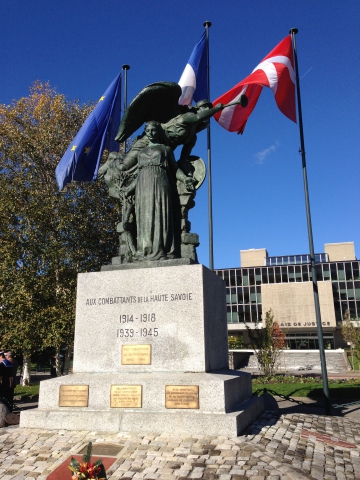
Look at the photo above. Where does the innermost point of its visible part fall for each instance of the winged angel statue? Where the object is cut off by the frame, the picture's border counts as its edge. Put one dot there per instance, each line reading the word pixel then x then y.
pixel 154 190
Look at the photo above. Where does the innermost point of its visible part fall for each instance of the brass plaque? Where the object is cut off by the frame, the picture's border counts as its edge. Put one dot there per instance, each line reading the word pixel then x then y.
pixel 136 355
pixel 74 396
pixel 182 396
pixel 126 396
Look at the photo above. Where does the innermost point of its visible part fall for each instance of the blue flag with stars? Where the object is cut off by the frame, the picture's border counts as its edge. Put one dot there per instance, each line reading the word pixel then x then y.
pixel 81 160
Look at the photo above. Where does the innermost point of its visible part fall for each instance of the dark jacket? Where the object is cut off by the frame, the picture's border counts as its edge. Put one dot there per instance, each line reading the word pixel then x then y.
pixel 7 383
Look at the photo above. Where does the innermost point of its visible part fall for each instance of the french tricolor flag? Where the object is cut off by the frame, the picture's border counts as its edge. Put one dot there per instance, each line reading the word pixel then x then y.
pixel 193 81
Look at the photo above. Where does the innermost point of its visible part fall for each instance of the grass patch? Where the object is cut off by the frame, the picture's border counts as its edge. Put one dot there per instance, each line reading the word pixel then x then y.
pixel 356 360
pixel 309 387
pixel 28 391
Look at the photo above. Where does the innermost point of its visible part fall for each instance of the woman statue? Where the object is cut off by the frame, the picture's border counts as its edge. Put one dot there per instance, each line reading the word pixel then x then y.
pixel 153 197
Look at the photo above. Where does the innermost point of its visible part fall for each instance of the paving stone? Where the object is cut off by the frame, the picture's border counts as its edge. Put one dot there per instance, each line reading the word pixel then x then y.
pixel 278 450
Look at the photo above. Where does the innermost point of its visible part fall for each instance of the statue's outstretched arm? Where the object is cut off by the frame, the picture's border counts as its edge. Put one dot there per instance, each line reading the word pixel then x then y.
pixel 201 116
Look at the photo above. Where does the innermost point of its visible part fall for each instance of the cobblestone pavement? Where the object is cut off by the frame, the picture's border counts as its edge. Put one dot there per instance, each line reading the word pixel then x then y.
pixel 276 446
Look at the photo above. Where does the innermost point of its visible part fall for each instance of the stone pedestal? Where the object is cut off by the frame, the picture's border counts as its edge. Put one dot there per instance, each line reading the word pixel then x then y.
pixel 151 348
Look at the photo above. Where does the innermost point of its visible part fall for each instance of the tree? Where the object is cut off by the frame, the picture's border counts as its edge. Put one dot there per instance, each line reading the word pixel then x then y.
pixel 46 236
pixel 351 333
pixel 267 341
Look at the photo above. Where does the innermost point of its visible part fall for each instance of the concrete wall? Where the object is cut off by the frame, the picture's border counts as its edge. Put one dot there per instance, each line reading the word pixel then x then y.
pixel 306 361
pixel 340 251
pixel 293 304
pixel 254 257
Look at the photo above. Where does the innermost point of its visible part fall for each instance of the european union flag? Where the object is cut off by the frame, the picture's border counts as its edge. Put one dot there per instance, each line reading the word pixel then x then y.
pixel 81 160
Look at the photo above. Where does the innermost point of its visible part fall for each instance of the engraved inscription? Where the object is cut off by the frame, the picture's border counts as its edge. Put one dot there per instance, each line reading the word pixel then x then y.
pixel 142 332
pixel 126 396
pixel 182 396
pixel 161 297
pixel 74 395
pixel 136 355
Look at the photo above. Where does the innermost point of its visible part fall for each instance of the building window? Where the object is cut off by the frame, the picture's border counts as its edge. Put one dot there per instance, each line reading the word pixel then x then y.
pixel 226 277
pixel 333 270
pixel 228 313
pixel 291 274
pixel 252 295
pixel 271 275
pixel 246 295
pixel 318 271
pixel 357 291
pixel 355 267
pixel 326 271
pixel 258 295
pixel 348 272
pixel 341 273
pixel 277 275
pixel 264 275
pixel 305 273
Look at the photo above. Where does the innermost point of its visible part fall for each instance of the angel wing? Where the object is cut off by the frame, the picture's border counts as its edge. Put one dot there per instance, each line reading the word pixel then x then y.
pixel 158 101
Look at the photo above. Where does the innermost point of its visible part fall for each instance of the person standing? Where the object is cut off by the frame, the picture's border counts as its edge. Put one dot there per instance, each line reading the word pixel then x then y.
pixel 7 380
pixel 9 355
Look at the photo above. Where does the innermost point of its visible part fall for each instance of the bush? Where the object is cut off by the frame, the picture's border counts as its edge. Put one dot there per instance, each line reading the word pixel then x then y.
pixel 267 342
pixel 235 342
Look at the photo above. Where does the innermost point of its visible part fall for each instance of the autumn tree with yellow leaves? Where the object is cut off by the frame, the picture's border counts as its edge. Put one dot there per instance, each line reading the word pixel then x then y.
pixel 47 236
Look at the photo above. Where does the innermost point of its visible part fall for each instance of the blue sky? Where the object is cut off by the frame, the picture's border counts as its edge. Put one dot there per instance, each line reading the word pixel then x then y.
pixel 258 199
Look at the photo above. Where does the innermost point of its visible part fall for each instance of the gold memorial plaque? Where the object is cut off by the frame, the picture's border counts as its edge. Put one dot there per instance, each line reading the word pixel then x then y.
pixel 74 395
pixel 182 396
pixel 136 355
pixel 126 396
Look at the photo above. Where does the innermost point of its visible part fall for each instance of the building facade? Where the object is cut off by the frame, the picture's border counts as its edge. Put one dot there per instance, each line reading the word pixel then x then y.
pixel 284 285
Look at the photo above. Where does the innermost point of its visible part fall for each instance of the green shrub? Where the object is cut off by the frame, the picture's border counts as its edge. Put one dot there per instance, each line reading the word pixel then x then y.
pixel 235 342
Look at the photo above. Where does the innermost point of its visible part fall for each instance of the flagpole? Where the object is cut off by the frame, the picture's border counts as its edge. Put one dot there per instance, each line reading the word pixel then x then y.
pixel 327 401
pixel 125 68
pixel 207 25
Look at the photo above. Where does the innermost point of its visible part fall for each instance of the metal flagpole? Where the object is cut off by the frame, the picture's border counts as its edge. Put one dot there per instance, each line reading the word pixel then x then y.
pixel 207 25
pixel 327 401
pixel 125 68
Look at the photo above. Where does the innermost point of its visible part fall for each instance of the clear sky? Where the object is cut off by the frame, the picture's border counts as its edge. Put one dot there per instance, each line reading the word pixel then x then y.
pixel 258 199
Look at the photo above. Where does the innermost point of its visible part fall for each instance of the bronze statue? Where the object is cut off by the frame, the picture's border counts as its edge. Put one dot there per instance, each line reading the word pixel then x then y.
pixel 154 220
pixel 153 197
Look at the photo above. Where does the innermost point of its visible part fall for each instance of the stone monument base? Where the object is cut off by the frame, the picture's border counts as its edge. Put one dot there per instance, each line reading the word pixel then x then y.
pixel 150 354
pixel 225 405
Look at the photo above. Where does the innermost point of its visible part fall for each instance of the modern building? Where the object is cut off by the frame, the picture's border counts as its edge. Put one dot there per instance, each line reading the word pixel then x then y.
pixel 283 284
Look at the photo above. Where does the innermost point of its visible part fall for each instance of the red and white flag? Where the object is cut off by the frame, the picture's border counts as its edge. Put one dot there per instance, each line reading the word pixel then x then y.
pixel 276 71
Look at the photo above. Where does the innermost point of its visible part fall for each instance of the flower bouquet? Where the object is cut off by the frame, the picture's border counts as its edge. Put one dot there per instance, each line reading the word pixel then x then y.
pixel 86 469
